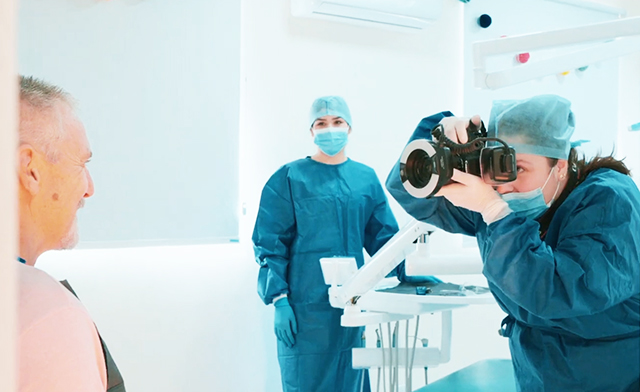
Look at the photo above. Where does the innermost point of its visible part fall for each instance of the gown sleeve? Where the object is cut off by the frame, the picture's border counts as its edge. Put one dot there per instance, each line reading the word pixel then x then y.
pixel 382 226
pixel 273 234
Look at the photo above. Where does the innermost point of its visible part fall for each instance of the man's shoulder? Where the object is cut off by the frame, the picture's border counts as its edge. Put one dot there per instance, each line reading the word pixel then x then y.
pixel 36 281
pixel 50 316
pixel 40 296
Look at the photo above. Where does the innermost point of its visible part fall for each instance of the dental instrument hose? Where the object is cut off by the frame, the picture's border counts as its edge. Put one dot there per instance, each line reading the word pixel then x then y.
pixel 407 383
pixel 415 338
pixel 384 364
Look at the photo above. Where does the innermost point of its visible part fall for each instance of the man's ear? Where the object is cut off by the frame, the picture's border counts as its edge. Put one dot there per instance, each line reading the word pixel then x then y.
pixel 28 173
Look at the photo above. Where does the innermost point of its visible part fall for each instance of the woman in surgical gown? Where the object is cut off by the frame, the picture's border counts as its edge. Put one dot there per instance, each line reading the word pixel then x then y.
pixel 560 247
pixel 320 206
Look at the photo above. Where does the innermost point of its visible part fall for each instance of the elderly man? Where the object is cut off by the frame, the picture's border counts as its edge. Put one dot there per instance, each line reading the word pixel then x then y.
pixel 59 346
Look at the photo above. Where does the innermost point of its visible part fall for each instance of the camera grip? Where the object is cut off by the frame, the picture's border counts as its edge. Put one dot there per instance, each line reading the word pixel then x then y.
pixel 475 131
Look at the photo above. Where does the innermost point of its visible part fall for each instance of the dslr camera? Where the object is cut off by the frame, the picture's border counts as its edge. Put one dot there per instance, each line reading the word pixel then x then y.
pixel 427 165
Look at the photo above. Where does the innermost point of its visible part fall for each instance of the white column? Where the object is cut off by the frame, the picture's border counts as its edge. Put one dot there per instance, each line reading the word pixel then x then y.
pixel 8 192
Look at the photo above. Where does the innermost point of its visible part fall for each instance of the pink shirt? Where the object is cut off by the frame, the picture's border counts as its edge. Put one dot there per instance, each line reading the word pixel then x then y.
pixel 58 346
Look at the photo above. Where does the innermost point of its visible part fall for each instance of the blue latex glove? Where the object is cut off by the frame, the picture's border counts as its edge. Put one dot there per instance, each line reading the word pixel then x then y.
pixel 285 326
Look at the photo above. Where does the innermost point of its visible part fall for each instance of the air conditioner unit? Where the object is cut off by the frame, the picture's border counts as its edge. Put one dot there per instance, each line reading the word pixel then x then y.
pixel 394 14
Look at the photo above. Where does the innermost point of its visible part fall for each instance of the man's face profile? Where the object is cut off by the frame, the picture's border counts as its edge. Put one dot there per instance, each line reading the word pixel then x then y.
pixel 65 182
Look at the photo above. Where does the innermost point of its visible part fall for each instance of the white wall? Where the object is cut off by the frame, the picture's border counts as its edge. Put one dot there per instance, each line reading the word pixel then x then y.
pixel 629 100
pixel 175 318
pixel 390 80
pixel 8 192
pixel 189 318
pixel 158 85
pixel 628 143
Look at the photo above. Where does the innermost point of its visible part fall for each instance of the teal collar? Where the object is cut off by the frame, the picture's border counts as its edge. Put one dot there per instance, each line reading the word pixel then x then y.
pixel 23 261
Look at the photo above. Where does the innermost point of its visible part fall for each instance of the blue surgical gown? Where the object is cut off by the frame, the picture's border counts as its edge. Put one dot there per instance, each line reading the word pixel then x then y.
pixel 310 210
pixel 572 299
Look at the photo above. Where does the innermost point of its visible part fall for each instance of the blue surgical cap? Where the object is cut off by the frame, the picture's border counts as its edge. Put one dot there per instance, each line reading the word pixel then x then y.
pixel 541 125
pixel 329 106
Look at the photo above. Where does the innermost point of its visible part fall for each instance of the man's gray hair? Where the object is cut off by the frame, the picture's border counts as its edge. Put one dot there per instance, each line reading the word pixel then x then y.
pixel 43 97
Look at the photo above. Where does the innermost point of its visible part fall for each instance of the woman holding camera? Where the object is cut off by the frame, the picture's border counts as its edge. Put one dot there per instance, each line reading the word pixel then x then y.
pixel 560 247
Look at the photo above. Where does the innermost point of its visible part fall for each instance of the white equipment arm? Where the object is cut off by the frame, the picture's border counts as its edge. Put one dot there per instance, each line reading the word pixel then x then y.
pixel 617 37
pixel 386 259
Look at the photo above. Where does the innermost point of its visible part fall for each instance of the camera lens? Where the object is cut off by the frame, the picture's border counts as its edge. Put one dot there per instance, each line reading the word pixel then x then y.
pixel 418 168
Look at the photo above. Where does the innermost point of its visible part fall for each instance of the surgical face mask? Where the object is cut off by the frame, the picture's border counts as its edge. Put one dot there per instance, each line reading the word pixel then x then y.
pixel 331 140
pixel 530 204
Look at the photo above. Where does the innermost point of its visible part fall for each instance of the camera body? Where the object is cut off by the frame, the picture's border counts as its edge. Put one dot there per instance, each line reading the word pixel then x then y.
pixel 426 165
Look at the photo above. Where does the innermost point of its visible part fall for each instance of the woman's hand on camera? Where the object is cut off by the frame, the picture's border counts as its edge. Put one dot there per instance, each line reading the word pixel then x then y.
pixel 455 128
pixel 472 193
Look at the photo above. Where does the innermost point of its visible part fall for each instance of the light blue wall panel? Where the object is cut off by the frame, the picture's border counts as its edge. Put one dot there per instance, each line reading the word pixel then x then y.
pixel 158 87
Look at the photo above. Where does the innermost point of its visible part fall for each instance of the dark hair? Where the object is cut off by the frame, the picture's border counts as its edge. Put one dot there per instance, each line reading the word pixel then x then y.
pixel 584 167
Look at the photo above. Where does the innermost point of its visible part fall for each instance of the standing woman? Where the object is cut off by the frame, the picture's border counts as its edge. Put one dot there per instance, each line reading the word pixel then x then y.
pixel 320 206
